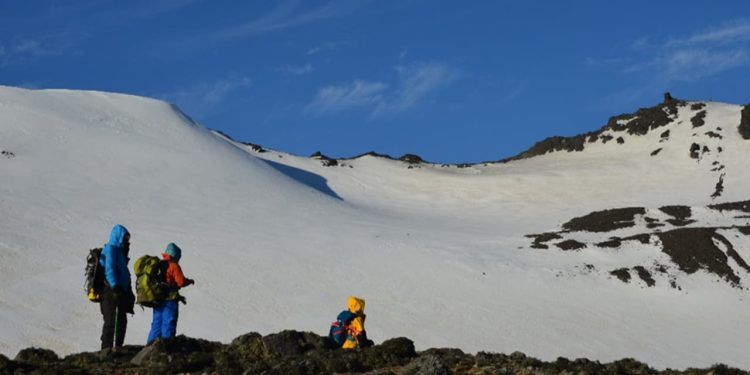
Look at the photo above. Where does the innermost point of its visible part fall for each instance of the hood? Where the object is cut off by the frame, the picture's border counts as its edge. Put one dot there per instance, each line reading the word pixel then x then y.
pixel 173 251
pixel 356 305
pixel 117 236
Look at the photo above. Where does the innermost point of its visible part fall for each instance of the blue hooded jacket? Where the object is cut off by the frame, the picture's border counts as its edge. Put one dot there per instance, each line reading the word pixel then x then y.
pixel 114 260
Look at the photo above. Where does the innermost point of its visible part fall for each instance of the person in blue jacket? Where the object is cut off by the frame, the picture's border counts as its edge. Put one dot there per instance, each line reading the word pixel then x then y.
pixel 117 297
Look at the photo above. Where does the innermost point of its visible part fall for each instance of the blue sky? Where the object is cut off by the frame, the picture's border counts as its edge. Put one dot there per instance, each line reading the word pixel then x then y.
pixel 452 81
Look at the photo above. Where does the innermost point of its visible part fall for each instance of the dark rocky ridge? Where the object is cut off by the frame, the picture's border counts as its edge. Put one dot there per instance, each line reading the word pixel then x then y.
pixel 292 352
pixel 641 122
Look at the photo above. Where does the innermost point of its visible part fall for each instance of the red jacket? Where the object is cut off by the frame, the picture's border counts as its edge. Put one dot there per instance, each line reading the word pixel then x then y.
pixel 175 277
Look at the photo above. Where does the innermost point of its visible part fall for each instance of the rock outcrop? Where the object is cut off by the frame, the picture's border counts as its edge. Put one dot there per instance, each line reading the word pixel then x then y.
pixel 292 352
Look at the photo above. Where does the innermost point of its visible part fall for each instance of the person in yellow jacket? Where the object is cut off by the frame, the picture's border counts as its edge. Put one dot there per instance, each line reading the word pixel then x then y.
pixel 356 335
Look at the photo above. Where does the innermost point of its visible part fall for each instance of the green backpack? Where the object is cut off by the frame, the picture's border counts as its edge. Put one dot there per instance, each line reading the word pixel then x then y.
pixel 151 288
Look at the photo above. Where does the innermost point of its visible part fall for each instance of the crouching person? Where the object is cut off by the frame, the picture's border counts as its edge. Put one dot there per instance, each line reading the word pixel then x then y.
pixel 164 321
pixel 348 331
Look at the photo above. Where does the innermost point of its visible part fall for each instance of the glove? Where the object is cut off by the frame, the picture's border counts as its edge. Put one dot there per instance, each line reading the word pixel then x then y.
pixel 129 304
pixel 182 299
pixel 189 282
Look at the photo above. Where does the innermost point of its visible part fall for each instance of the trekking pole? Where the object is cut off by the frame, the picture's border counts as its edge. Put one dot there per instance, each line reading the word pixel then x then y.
pixel 117 314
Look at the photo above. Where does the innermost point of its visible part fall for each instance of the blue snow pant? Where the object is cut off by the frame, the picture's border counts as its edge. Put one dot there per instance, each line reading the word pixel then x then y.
pixel 164 322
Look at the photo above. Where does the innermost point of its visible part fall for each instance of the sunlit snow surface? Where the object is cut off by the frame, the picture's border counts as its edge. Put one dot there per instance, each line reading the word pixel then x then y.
pixel 275 241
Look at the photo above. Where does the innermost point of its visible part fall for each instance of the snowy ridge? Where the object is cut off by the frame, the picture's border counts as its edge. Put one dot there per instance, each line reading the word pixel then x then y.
pixel 440 253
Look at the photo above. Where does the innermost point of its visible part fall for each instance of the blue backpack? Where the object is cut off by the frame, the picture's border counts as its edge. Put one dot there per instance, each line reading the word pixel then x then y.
pixel 339 331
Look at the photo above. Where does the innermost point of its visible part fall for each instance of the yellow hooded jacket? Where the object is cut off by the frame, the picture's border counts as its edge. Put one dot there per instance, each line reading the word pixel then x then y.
pixel 357 325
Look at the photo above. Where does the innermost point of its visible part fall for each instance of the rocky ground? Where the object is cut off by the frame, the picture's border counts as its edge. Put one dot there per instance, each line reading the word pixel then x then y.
pixel 292 352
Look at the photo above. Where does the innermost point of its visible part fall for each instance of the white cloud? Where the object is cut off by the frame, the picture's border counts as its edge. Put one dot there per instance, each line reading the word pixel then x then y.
pixel 328 46
pixel 201 98
pixel 416 81
pixel 286 16
pixel 21 51
pixel 413 84
pixel 699 55
pixel 296 70
pixel 729 32
pixel 337 98
pixel 35 48
pixel 693 64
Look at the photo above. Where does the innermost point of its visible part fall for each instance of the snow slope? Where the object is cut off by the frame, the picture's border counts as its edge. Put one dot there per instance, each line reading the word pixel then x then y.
pixel 438 252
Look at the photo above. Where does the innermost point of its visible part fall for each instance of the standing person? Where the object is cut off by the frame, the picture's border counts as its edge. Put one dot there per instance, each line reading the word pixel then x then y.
pixel 117 296
pixel 164 321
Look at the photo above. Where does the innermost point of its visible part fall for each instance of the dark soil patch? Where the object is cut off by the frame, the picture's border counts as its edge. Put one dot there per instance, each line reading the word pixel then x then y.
pixel 411 159
pixel 621 273
pixel 645 275
pixel 665 134
pixel 540 239
pixel 255 147
pixel 699 119
pixel 680 223
pixel 325 160
pixel 605 221
pixel 733 253
pixel 693 249
pixel 620 140
pixel 553 144
pixel 695 151
pixel 714 135
pixel 743 206
pixel 644 238
pixel 654 225
pixel 678 212
pixel 606 138
pixel 744 127
pixel 719 187
pixel 611 243
pixel 655 152
pixel 7 154
pixel 697 106
pixel 568 245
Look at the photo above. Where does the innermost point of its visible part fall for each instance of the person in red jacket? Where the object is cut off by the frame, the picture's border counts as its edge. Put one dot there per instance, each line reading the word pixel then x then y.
pixel 164 322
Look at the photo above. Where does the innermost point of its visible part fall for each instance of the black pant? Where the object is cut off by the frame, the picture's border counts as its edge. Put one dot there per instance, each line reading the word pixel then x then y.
pixel 115 319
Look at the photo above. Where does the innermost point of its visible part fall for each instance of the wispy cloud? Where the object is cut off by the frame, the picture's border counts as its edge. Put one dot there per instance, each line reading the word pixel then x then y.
pixel 296 70
pixel 727 33
pixel 337 98
pixel 328 46
pixel 699 55
pixel 24 50
pixel 287 15
pixel 150 9
pixel 414 82
pixel 202 98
